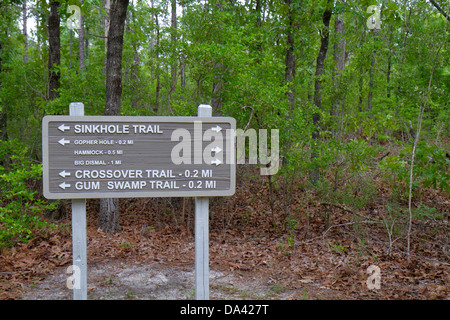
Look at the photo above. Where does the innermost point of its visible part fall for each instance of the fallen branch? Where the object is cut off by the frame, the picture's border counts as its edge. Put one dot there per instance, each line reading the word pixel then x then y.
pixel 347 223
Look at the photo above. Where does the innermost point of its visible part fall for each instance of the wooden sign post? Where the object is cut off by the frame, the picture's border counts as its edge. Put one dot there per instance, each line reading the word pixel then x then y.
pixel 79 249
pixel 202 234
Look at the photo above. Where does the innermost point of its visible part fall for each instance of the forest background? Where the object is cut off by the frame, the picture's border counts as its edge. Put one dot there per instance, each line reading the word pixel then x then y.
pixel 360 97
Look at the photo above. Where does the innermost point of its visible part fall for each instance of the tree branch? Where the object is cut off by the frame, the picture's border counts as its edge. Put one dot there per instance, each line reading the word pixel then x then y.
pixel 95 35
pixel 436 5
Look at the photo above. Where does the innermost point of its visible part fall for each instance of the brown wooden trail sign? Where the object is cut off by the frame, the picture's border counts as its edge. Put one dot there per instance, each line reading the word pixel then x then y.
pixel 123 157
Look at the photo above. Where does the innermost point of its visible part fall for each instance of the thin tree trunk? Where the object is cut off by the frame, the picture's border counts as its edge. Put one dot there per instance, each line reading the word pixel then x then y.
pixel 3 126
pixel 70 48
pixel 182 71
pixel 339 59
pixel 3 115
pixel 217 89
pixel 370 95
pixel 174 39
pixel 216 98
pixel 402 55
pixel 258 24
pixel 25 31
pixel 158 68
pixel 54 57
pixel 5 162
pixel 371 72
pixel 389 67
pixel 107 23
pixel 81 41
pixel 182 58
pixel 290 57
pixel 109 208
pixel 86 44
pixel 324 41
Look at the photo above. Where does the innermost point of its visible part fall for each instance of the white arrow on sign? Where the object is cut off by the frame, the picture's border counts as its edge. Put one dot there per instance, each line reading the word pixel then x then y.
pixel 64 185
pixel 64 174
pixel 216 129
pixel 216 149
pixel 63 141
pixel 63 127
pixel 216 162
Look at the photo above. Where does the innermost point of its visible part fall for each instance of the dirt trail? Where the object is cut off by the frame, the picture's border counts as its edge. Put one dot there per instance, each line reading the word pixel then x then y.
pixel 114 280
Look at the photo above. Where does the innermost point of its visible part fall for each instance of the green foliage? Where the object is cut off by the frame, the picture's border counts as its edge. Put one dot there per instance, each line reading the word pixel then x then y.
pixel 431 166
pixel 20 207
pixel 431 169
pixel 182 108
pixel 346 176
pixel 393 169
pixel 425 212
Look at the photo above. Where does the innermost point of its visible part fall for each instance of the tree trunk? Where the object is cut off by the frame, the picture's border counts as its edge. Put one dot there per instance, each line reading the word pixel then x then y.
pixel 258 24
pixel 339 46
pixel 339 59
pixel 81 41
pixel 361 73
pixel 405 29
pixel 3 126
pixel 25 31
pixel 371 72
pixel 70 48
pixel 389 63
pixel 216 98
pixel 86 44
pixel 217 89
pixel 182 57
pixel 174 65
pixel 3 114
pixel 369 98
pixel 158 68
pixel 182 71
pixel 106 23
pixel 5 162
pixel 290 57
pixel 109 208
pixel 109 215
pixel 324 40
pixel 134 69
pixel 54 57
pixel 114 57
pixel 258 10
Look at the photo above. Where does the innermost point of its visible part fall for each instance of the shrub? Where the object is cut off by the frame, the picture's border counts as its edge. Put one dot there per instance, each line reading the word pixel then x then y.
pixel 21 207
